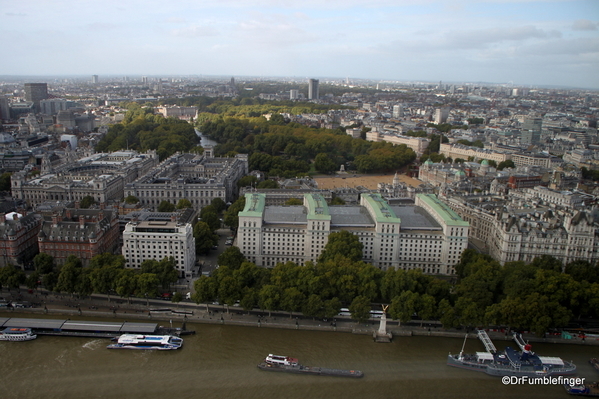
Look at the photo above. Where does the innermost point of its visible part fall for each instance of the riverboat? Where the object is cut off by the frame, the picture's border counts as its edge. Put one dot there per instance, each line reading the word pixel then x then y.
pixel 17 334
pixel 152 342
pixel 291 365
pixel 510 362
pixel 591 389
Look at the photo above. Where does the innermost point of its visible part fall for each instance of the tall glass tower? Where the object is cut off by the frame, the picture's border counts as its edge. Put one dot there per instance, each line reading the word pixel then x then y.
pixel 313 89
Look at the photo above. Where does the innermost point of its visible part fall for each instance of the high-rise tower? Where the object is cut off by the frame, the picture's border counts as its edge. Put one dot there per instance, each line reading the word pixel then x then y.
pixel 313 89
pixel 36 92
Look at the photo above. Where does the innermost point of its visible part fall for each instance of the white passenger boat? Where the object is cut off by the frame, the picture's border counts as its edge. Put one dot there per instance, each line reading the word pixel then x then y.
pixel 154 342
pixel 17 334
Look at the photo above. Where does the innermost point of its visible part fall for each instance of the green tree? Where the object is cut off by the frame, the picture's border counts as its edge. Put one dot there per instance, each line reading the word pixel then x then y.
pixel 506 164
pixel 218 204
pixel 249 298
pixel 67 279
pixel 292 300
pixel 5 182
pixel 324 164
pixel 147 285
pixel 49 280
pixel 165 270
pixel 404 306
pixel 131 199
pixel 32 280
pixel 205 239
pixel 269 298
pixel 86 202
pixel 205 290
pixel 231 257
pixel 268 183
pixel 342 243
pixel 360 309
pixel 126 284
pixel 313 307
pixel 247 181
pixel 294 201
pixel 43 263
pixel 166 206
pixel 11 277
pixel 337 201
pixel 332 307
pixel 230 218
pixel 211 219
pixel 184 203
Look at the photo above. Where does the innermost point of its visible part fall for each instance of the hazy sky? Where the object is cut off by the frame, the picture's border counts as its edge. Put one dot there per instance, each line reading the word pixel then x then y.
pixel 521 41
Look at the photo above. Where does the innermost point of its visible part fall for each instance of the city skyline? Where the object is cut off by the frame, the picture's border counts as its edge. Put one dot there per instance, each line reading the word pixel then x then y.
pixel 524 42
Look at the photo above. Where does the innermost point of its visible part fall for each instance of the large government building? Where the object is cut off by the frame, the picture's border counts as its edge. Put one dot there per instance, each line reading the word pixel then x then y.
pixel 101 176
pixel 198 178
pixel 427 236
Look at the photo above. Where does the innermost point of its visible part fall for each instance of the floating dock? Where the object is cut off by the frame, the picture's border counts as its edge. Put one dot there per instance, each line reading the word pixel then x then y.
pixel 95 329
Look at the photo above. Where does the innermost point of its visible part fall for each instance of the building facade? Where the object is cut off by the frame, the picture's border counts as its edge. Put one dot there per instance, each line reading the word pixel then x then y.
pixel 159 239
pixel 84 233
pixel 100 176
pixel 198 178
pixel 427 236
pixel 36 92
pixel 464 152
pixel 313 89
pixel 18 238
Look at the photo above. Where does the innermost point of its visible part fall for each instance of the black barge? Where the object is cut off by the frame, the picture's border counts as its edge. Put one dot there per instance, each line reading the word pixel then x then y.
pixel 290 365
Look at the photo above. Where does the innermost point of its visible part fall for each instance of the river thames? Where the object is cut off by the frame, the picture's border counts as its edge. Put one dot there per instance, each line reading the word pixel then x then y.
pixel 219 361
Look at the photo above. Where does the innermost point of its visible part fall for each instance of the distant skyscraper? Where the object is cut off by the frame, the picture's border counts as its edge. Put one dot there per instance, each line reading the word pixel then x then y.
pixel 144 80
pixel 313 89
pixel 398 111
pixel 36 92
pixel 95 79
pixel 441 115
pixel 4 108
pixel 531 130
pixel 293 94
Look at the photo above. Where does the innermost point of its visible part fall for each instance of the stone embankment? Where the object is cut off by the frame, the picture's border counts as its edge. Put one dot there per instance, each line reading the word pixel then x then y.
pixel 98 306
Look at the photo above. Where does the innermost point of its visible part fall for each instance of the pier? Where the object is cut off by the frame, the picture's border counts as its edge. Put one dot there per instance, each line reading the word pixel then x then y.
pixel 97 329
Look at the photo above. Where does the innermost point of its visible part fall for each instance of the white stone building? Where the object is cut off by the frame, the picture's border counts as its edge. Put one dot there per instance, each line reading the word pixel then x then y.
pixel 158 240
pixel 428 235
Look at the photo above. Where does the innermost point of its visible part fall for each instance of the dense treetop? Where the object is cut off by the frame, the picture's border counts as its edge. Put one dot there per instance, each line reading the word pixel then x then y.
pixel 141 130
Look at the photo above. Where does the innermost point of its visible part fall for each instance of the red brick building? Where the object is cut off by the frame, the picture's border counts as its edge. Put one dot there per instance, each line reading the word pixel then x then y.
pixel 84 233
pixel 18 238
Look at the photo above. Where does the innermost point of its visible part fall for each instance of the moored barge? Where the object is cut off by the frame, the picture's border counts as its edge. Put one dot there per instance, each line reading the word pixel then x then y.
pixel 291 365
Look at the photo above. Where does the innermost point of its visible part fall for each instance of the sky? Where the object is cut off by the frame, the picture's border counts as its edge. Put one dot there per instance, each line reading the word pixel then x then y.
pixel 524 42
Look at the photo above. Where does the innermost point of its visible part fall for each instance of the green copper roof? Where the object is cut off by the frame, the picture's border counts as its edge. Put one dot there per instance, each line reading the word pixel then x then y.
pixel 254 205
pixel 382 212
pixel 317 207
pixel 445 212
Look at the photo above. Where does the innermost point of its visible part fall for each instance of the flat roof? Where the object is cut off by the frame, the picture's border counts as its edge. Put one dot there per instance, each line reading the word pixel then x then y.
pixel 75 325
pixel 139 327
pixel 445 212
pixel 295 214
pixel 350 216
pixel 34 323
pixel 415 217
pixel 92 326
